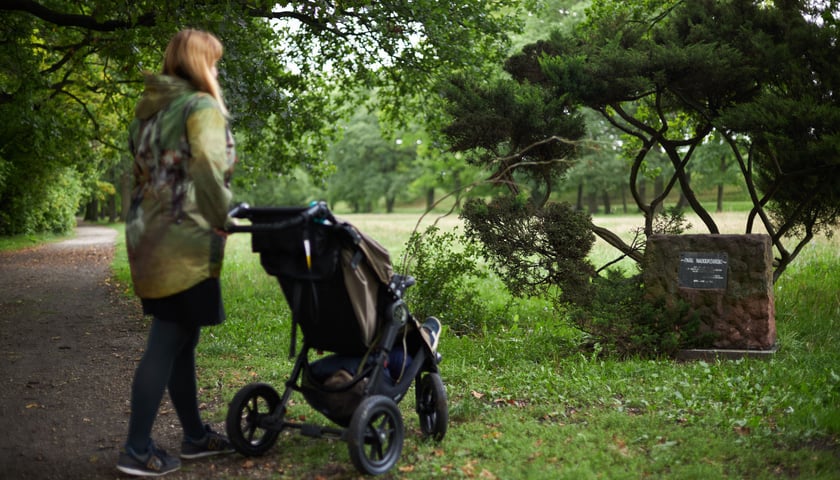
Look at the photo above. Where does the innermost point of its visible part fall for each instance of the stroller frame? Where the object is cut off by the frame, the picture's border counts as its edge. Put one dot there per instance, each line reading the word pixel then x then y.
pixel 310 252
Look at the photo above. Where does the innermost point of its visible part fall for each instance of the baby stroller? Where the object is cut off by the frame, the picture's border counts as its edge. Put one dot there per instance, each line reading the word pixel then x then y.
pixel 343 295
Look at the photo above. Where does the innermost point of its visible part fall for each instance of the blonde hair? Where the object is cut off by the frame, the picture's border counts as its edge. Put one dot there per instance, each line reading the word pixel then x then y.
pixel 191 55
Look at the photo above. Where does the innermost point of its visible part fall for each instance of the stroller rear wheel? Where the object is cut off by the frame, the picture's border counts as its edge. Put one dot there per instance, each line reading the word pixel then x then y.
pixel 245 419
pixel 376 434
pixel 431 406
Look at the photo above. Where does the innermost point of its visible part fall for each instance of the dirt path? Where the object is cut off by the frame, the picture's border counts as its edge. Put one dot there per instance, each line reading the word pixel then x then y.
pixel 68 347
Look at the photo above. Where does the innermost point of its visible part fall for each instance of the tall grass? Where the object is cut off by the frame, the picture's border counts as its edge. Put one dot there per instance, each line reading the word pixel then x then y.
pixel 525 402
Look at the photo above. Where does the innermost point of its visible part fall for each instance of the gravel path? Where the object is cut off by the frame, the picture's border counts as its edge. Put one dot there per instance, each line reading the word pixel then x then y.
pixel 69 343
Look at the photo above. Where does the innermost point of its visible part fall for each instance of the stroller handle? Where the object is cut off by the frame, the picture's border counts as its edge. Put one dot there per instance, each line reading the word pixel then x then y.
pixel 294 216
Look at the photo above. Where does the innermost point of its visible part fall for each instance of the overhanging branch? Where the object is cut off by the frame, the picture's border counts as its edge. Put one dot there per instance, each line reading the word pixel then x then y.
pixel 73 20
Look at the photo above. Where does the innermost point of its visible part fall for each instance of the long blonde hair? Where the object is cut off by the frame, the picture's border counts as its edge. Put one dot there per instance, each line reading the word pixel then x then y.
pixel 191 55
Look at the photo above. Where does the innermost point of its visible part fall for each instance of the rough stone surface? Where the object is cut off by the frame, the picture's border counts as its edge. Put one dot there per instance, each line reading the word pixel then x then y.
pixel 739 316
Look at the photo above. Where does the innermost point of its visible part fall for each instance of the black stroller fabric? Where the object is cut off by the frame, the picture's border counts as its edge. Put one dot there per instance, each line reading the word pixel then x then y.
pixel 332 275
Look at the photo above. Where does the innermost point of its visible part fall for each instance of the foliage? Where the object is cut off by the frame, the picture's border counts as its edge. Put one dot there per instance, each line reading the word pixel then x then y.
pixel 47 202
pixel 447 279
pixel 669 74
pixel 544 252
pixel 369 165
pixel 272 189
pixel 70 73
pixel 512 130
pixel 621 322
pixel 534 250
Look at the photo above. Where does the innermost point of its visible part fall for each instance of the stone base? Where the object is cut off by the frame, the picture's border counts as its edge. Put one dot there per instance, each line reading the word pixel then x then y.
pixel 732 303
pixel 712 354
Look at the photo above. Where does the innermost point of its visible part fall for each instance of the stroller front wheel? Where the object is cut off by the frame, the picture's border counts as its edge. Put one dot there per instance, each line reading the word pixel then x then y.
pixel 247 415
pixel 375 435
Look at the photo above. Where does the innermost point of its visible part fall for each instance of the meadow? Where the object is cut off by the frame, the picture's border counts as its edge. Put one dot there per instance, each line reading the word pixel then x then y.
pixel 526 402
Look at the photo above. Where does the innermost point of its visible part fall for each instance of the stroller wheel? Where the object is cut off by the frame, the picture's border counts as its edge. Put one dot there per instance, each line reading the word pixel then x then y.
pixel 431 406
pixel 246 416
pixel 375 435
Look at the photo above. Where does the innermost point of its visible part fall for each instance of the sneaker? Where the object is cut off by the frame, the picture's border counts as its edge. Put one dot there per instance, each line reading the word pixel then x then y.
pixel 154 463
pixel 211 444
pixel 431 332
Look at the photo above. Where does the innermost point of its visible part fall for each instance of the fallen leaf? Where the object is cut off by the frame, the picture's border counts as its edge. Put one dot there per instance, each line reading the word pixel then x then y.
pixel 621 446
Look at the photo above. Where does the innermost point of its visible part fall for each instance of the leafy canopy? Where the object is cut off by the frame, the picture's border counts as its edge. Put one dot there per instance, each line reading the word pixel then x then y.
pixel 70 72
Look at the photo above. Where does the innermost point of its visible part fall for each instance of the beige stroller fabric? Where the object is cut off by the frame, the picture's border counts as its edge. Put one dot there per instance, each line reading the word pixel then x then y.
pixel 363 281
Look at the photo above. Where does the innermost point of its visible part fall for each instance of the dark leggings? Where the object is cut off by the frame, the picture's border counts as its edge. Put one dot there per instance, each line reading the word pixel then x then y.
pixel 169 361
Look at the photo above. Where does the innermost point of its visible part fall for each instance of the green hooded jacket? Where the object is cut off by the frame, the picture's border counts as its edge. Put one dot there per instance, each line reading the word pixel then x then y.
pixel 183 158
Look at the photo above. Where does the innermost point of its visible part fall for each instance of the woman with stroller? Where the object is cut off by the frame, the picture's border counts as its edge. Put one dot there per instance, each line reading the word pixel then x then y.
pixel 183 158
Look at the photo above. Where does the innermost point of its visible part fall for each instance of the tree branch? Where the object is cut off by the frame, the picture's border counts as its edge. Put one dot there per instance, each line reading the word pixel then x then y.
pixel 72 20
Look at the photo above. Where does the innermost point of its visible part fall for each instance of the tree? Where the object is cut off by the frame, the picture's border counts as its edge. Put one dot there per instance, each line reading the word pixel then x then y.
pixel 369 166
pixel 593 173
pixel 71 72
pixel 518 132
pixel 669 73
pixel 716 166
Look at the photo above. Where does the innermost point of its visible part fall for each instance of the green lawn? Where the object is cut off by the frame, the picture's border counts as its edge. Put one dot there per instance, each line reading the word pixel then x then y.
pixel 525 402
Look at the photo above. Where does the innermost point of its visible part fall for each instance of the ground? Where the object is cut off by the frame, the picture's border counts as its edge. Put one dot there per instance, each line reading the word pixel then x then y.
pixel 69 343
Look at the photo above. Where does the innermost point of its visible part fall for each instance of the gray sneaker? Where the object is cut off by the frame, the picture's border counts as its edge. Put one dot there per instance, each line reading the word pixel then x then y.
pixel 212 444
pixel 154 463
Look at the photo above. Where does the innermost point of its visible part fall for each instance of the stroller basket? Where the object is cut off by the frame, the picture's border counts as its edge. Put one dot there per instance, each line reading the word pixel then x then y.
pixel 347 301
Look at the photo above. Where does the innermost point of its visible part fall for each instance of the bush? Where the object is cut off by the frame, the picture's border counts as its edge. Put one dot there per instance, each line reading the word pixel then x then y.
pixel 446 278
pixel 543 252
pixel 621 321
pixel 534 250
pixel 38 201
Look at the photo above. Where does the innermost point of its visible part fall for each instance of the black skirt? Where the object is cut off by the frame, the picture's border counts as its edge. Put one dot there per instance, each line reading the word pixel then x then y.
pixel 200 305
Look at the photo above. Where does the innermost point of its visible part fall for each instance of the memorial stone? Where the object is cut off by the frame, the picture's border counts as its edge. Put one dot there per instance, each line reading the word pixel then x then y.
pixel 726 281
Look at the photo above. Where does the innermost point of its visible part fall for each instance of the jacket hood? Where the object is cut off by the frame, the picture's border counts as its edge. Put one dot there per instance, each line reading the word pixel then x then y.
pixel 160 91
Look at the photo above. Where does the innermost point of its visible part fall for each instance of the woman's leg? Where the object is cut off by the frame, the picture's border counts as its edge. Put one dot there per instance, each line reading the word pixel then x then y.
pixel 183 390
pixel 166 342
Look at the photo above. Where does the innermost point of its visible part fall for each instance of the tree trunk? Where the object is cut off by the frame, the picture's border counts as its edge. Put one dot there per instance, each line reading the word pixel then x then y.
pixel 643 191
pixel 112 209
pixel 592 202
pixel 658 188
pixel 607 205
pixel 579 203
pixel 683 201
pixel 430 198
pixel 624 200
pixel 92 211
pixel 720 185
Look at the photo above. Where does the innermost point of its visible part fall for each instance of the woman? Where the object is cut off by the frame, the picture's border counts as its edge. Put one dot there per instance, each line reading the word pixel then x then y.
pixel 183 157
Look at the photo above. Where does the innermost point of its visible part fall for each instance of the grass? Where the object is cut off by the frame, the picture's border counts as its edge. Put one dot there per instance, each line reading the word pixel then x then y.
pixel 18 242
pixel 526 403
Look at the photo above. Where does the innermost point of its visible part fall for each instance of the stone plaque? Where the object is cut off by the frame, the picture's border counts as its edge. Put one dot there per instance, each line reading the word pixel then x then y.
pixel 703 270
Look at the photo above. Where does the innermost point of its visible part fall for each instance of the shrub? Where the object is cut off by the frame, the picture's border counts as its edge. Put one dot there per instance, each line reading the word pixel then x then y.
pixel 534 250
pixel 621 321
pixel 543 252
pixel 46 201
pixel 445 280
